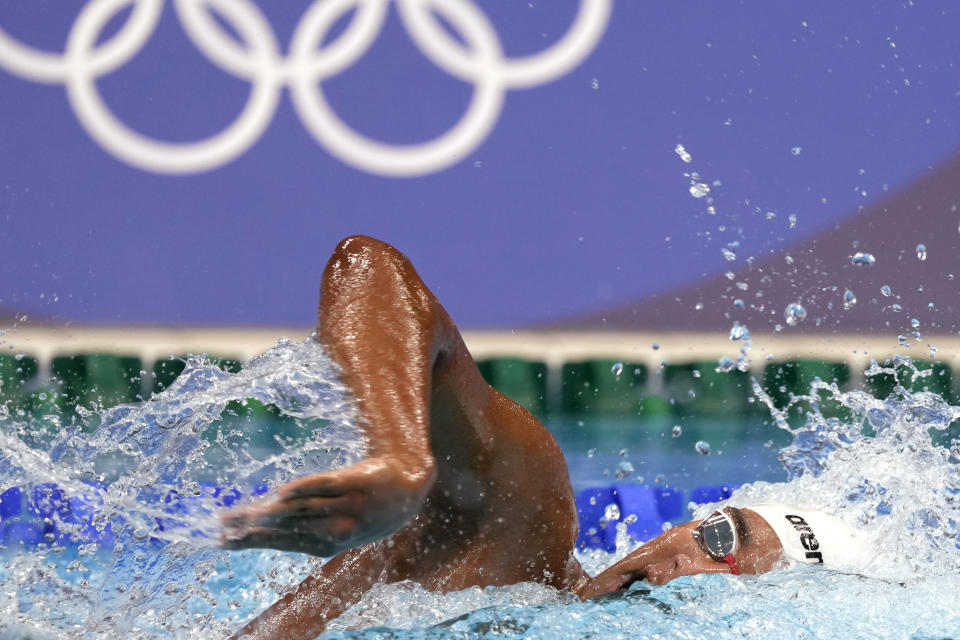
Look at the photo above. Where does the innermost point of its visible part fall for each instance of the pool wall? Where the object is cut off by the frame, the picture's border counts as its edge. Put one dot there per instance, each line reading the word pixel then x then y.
pixel 624 373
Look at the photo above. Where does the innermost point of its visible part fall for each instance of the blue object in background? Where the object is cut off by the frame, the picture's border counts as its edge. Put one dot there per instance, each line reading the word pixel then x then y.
pixel 11 503
pixel 712 493
pixel 46 514
pixel 651 508
pixel 591 506
pixel 15 524
pixel 642 502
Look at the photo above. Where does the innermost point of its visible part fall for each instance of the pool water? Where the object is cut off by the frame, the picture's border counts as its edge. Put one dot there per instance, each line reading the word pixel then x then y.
pixel 127 547
pixel 606 449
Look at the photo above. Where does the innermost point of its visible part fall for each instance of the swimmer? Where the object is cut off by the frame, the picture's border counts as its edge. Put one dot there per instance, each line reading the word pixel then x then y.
pixel 462 486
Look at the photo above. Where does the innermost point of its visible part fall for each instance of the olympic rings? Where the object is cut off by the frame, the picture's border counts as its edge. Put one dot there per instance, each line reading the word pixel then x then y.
pixel 258 60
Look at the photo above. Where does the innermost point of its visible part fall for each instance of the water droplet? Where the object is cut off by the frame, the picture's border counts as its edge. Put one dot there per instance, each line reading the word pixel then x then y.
pixel 739 332
pixel 698 306
pixel 792 218
pixel 860 258
pixel 702 447
pixel 594 84
pixel 849 299
pixel 630 519
pixel 914 323
pixel 921 252
pixel 591 453
pixel 699 189
pixel 896 307
pixel 624 469
pixel 611 512
pixel 677 431
pixel 930 306
pixel 617 368
pixel 794 313
pixel 738 303
pixel 729 255
pixel 683 153
pixel 655 346
pixel 885 290
pixel 796 150
pixel 788 259
pixel 771 215
pixel 725 364
pixel 696 373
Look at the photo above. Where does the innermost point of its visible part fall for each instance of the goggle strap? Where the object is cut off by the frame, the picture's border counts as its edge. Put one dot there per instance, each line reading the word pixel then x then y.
pixel 733 564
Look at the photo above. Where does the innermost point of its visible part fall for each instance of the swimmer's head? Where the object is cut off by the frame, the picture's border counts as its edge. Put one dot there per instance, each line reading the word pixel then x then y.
pixel 745 541
pixel 694 548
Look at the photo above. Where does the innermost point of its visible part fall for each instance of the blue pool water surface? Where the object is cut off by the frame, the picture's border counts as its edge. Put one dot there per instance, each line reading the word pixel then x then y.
pixel 135 554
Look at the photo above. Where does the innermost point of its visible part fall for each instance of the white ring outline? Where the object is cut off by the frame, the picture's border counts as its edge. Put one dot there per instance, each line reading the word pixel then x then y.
pixel 150 154
pixel 258 60
pixel 43 66
pixel 402 160
pixel 347 49
pixel 539 68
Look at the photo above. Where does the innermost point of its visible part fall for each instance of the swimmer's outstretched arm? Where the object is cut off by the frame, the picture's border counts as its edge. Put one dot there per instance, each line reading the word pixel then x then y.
pixel 385 330
pixel 447 458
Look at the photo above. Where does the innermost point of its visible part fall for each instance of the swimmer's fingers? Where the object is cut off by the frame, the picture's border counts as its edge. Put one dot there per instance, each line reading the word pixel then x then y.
pixel 322 537
pixel 332 511
pixel 288 512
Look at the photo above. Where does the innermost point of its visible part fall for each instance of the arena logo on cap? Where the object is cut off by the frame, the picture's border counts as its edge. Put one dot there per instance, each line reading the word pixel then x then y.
pixel 808 540
pixel 479 60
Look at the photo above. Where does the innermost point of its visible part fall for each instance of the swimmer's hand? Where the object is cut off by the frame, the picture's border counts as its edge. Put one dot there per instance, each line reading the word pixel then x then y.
pixel 330 512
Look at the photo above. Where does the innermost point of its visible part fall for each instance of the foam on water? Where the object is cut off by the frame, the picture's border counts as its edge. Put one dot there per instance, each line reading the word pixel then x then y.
pixel 142 562
pixel 136 493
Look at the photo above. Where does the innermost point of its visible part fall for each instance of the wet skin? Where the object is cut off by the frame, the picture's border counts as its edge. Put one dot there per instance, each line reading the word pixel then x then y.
pixel 676 553
pixel 462 486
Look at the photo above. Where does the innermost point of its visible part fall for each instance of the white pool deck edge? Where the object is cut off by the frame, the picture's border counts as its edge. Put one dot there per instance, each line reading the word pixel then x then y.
pixel 551 347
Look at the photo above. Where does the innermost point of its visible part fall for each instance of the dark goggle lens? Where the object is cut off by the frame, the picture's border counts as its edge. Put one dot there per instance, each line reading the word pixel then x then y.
pixel 716 536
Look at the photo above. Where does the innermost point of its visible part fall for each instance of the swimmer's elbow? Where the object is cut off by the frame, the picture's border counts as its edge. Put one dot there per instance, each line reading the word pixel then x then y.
pixel 415 473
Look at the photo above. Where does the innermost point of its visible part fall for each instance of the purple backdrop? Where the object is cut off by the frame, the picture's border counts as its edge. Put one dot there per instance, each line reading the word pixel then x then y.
pixel 576 199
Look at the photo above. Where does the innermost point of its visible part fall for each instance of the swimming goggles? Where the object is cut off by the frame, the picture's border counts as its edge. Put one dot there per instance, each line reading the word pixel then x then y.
pixel 717 536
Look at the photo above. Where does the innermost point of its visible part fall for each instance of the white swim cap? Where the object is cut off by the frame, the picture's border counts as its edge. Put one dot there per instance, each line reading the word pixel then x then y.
pixel 814 537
